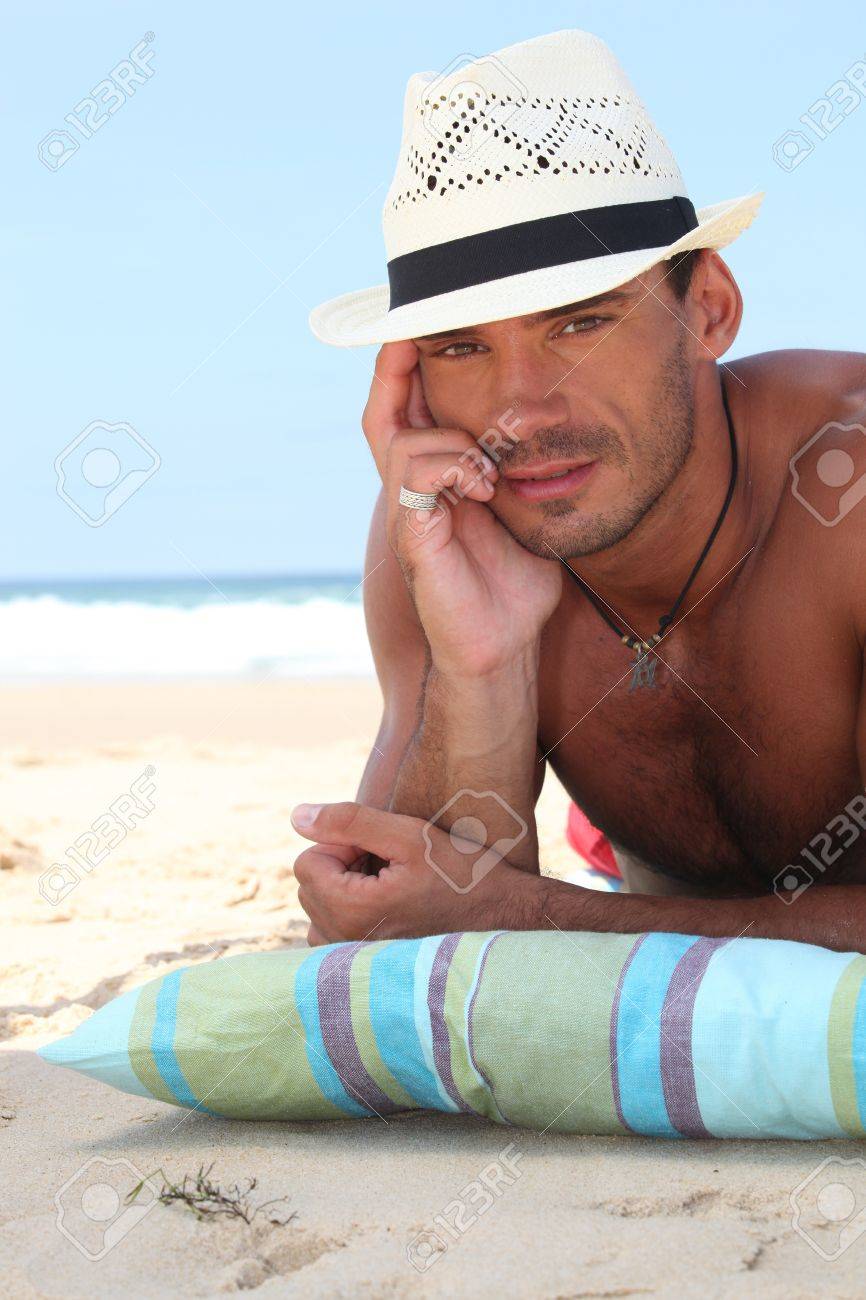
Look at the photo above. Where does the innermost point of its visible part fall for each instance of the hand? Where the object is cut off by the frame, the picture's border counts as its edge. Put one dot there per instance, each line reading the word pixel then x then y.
pixel 433 883
pixel 482 598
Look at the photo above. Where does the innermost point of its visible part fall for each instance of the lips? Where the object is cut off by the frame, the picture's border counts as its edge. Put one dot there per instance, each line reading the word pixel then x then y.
pixel 547 482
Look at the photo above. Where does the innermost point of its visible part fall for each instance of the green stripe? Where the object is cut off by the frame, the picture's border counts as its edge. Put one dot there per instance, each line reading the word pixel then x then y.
pixel 458 990
pixel 540 994
pixel 359 1005
pixel 840 1047
pixel 243 1051
pixel 140 1036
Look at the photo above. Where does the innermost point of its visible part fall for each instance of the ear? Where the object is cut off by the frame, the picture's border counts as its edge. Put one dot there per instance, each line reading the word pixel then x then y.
pixel 714 305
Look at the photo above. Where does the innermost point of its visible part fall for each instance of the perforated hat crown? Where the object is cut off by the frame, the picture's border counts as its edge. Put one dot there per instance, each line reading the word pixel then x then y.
pixel 525 179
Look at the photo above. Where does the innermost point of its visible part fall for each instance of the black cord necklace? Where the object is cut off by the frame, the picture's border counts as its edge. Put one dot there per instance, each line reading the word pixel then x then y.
pixel 643 672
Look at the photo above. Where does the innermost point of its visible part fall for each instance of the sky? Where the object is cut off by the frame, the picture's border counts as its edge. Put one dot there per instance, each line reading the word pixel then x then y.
pixel 159 279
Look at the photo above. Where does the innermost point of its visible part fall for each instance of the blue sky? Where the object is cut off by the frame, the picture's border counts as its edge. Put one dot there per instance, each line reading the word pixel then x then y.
pixel 162 275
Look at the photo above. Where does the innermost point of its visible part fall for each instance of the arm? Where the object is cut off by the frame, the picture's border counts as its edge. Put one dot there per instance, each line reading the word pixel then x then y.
pixel 407 898
pixel 401 658
pixel 832 916
pixel 439 734
pixel 454 613
pixel 478 736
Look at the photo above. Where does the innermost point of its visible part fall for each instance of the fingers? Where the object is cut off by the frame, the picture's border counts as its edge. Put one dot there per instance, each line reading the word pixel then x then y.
pixel 388 835
pixel 434 460
pixel 387 409
pixel 338 899
pixel 433 472
pixel 417 442
pixel 418 410
pixel 325 860
pixel 318 872
pixel 407 450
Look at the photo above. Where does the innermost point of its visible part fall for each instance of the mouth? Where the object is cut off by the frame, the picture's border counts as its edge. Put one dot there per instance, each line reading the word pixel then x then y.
pixel 547 481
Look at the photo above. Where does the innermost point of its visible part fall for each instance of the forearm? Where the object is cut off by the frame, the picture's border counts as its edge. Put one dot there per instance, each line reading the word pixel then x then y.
pixel 382 767
pixel 831 916
pixel 478 735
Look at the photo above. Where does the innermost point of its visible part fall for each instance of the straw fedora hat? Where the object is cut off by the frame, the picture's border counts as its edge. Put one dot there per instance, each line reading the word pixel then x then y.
pixel 526 179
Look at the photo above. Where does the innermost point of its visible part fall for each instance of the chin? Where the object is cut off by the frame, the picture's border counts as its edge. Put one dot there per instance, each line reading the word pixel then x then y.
pixel 569 533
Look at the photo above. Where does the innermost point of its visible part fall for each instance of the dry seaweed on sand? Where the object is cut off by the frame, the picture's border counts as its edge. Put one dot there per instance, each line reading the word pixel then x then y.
pixel 206 1198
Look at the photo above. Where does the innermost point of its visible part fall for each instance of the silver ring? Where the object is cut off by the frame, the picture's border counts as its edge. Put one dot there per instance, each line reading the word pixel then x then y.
pixel 418 500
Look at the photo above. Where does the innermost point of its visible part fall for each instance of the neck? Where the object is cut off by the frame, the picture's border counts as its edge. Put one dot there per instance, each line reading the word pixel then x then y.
pixel 642 576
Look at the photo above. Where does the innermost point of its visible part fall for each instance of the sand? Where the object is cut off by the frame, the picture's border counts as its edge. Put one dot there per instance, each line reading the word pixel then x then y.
pixel 208 873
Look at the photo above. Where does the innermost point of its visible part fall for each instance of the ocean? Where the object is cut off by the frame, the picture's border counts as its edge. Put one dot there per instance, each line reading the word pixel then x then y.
pixel 292 626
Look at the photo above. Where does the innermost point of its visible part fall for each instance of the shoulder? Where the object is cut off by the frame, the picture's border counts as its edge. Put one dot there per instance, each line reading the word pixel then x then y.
pixel 805 367
pixel 794 391
pixel 802 413
pixel 804 419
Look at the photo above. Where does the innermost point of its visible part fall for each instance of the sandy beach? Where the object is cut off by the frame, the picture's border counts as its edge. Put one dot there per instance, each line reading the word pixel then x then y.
pixel 208 873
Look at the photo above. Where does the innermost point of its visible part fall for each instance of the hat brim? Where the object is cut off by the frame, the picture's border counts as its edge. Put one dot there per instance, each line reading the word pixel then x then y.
pixel 362 317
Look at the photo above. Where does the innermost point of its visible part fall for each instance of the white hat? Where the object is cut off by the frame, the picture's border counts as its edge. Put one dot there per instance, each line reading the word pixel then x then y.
pixel 527 179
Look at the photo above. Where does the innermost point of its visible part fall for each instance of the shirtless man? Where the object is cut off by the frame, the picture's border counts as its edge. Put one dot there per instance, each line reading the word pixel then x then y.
pixel 734 777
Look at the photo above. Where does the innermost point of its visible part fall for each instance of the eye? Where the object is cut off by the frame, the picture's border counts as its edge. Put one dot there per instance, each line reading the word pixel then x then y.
pixel 583 325
pixel 457 350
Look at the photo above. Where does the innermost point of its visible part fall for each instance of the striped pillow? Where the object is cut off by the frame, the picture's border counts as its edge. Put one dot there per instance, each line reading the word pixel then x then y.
pixel 662 1034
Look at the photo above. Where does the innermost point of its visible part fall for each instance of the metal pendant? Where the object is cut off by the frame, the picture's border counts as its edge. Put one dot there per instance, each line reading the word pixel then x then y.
pixel 643 672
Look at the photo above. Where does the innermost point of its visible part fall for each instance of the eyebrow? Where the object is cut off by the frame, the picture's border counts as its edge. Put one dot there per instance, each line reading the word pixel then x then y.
pixel 611 298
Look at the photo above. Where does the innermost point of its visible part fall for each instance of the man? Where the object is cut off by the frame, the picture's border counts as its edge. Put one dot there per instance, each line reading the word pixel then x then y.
pixel 596 547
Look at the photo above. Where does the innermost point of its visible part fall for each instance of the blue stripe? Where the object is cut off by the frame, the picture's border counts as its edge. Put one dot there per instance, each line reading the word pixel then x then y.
pixel 392 1016
pixel 427 950
pixel 638 1036
pixel 307 1003
pixel 858 1051
pixel 162 1043
pixel 770 1078
pixel 100 1046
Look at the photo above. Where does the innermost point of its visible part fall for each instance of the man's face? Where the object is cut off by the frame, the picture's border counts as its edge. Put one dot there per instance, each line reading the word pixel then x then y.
pixel 600 393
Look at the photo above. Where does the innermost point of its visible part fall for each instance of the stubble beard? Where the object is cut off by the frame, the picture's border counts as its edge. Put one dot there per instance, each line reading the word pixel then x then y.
pixel 571 532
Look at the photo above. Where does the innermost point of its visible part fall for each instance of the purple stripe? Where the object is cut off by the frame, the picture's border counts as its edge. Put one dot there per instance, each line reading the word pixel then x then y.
pixel 675 1027
pixel 614 1026
pixel 338 1035
pixel 469 1037
pixel 438 1025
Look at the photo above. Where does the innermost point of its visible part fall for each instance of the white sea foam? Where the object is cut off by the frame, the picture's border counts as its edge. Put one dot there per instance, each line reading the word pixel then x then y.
pixel 49 636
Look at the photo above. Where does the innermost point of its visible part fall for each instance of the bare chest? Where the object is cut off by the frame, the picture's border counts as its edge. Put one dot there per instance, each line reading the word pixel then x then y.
pixel 719 770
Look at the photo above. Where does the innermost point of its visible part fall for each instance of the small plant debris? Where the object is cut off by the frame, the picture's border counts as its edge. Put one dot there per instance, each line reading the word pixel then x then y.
pixel 205 1197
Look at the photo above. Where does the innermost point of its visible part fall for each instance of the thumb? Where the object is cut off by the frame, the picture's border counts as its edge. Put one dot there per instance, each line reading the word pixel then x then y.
pixel 387 834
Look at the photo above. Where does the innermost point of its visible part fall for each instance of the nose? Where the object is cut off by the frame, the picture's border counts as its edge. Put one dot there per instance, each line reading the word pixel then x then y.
pixel 525 388
pixel 526 404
